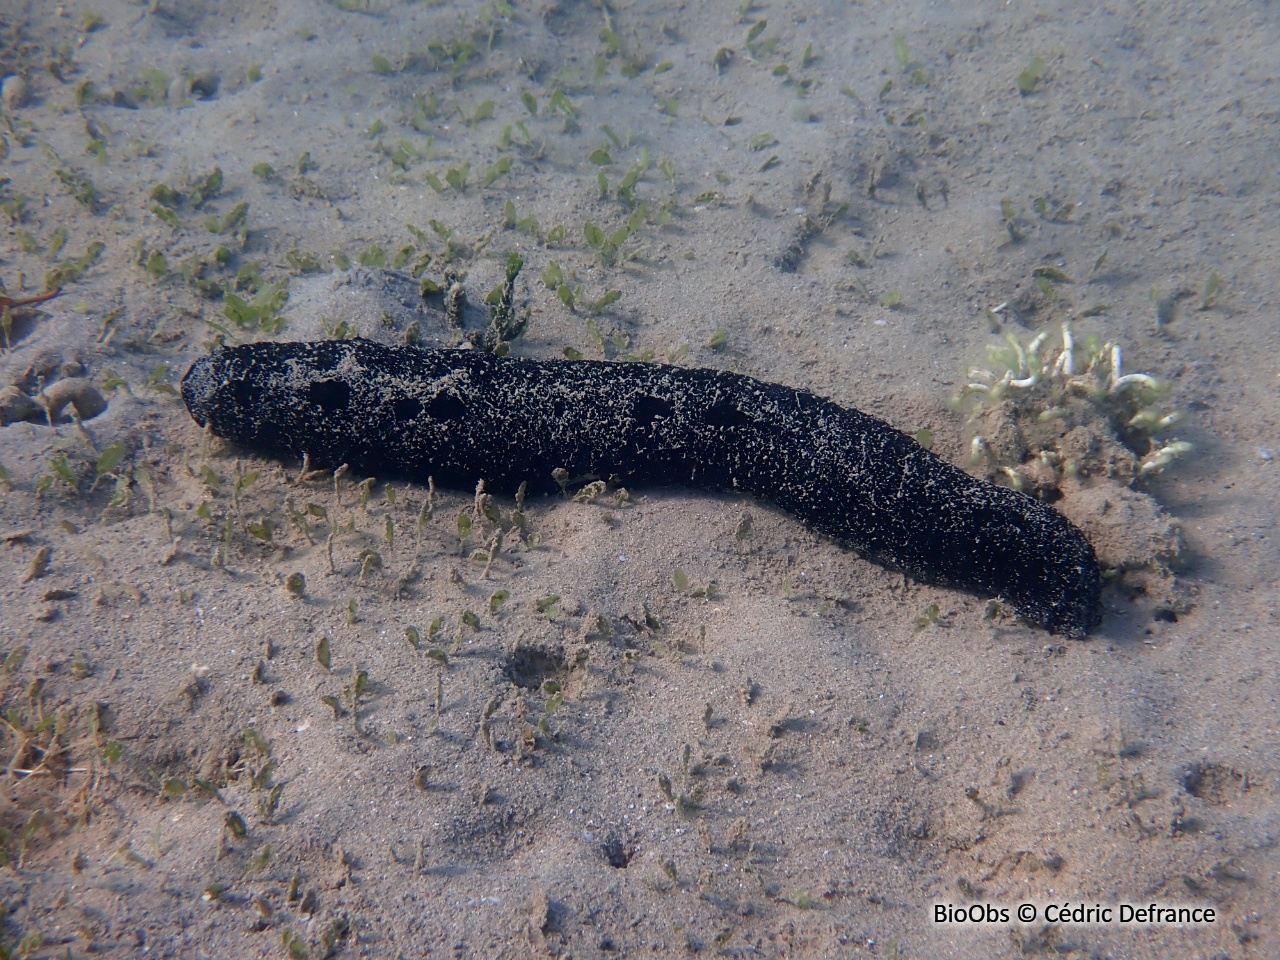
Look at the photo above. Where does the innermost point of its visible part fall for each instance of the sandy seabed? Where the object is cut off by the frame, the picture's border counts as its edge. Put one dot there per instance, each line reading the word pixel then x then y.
pixel 679 723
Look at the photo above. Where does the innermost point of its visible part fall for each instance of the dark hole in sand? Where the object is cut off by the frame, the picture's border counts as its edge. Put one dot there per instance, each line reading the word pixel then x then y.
pixel 529 666
pixel 614 852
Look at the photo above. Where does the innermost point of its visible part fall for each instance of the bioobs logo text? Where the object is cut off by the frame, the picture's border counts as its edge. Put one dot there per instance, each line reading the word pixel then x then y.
pixel 973 913
pixel 1078 914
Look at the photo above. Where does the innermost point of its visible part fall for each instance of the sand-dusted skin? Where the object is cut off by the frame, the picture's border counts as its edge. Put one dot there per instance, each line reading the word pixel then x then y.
pixel 460 416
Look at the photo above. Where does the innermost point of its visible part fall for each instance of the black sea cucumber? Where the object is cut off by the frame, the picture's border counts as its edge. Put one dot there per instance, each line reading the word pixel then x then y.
pixel 460 416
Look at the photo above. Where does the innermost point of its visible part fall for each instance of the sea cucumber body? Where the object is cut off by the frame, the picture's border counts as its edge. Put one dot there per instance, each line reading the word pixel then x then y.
pixel 460 416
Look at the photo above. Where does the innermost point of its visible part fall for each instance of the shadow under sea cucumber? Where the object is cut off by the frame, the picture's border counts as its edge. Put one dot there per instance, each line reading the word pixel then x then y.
pixel 460 416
